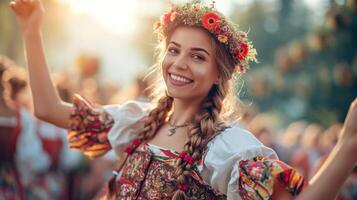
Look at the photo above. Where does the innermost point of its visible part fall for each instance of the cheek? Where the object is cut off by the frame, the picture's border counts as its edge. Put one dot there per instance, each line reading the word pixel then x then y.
pixel 165 63
pixel 206 73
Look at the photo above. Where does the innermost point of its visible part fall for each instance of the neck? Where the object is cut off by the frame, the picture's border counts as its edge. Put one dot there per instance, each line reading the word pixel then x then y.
pixel 184 111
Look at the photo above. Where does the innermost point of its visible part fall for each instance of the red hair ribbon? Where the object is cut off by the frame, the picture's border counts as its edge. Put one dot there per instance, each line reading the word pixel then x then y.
pixel 183 187
pixel 129 150
pixel 131 147
pixel 136 142
pixel 186 157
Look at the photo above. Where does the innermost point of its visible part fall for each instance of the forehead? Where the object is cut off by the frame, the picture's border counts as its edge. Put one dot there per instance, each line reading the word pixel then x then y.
pixel 192 37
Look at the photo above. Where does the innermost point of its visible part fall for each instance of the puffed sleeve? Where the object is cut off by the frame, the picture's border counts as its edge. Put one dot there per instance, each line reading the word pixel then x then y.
pixel 96 130
pixel 240 166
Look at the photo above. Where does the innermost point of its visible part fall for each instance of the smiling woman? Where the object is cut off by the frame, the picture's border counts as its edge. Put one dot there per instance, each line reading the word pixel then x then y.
pixel 181 148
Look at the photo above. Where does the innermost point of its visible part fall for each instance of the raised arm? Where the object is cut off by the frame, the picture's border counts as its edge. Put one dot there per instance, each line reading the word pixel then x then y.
pixel 339 165
pixel 47 104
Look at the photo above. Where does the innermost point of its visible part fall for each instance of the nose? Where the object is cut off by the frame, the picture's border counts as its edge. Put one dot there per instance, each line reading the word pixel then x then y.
pixel 180 62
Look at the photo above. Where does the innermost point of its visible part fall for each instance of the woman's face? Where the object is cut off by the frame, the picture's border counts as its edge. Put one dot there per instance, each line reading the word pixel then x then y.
pixel 189 67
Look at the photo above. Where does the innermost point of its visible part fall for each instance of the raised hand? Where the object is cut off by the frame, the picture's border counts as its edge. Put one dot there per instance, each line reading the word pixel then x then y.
pixel 29 14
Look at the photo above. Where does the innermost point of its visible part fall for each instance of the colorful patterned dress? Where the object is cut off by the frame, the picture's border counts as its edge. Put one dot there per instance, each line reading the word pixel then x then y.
pixel 235 165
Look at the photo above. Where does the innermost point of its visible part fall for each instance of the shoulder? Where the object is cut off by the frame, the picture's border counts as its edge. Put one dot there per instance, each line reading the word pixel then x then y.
pixel 130 108
pixel 235 140
pixel 232 145
pixel 225 151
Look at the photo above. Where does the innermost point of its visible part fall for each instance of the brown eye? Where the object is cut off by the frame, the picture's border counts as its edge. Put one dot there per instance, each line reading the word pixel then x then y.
pixel 198 57
pixel 173 51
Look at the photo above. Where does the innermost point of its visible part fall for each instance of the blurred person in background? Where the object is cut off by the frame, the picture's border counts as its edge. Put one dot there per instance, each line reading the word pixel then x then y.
pixel 262 127
pixel 138 90
pixel 291 140
pixel 48 182
pixel 308 153
pixel 22 155
pixel 328 140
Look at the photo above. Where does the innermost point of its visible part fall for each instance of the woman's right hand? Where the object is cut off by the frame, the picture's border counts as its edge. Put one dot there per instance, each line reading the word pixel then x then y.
pixel 29 14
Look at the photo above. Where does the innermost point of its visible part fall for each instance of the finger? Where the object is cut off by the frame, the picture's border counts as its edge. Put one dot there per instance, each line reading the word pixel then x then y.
pixel 19 8
pixel 14 6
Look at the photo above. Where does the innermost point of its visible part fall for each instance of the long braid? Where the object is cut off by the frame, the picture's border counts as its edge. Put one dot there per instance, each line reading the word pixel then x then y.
pixel 156 118
pixel 153 121
pixel 206 124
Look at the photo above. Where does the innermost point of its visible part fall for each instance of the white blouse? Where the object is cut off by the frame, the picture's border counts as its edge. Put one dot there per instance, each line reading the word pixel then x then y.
pixel 220 169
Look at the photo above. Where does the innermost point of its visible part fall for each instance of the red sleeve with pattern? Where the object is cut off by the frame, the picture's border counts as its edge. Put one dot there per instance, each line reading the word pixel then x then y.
pixel 258 176
pixel 89 127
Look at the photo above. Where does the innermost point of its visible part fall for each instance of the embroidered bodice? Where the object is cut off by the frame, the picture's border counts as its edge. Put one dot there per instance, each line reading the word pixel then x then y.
pixel 235 166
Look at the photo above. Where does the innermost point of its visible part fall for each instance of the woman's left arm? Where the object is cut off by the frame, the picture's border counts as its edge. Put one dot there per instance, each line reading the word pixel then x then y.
pixel 340 163
pixel 326 183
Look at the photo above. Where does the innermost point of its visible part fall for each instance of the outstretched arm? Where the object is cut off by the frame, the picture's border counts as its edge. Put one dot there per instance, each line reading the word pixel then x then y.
pixel 329 179
pixel 47 104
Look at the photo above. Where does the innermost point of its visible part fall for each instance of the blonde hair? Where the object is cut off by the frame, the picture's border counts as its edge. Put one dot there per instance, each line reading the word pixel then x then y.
pixel 206 124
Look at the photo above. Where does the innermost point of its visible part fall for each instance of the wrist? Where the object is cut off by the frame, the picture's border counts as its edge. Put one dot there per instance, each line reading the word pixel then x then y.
pixel 31 33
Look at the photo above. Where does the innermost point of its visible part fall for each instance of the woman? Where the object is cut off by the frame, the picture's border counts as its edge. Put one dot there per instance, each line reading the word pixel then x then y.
pixel 181 148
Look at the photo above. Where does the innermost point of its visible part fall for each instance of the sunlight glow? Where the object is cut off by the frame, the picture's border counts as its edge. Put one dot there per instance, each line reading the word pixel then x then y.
pixel 116 15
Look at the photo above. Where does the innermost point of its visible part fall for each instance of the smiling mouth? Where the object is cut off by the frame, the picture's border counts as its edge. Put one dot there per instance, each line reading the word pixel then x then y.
pixel 179 80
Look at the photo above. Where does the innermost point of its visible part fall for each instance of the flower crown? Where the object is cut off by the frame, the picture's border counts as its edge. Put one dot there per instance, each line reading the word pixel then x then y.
pixel 207 17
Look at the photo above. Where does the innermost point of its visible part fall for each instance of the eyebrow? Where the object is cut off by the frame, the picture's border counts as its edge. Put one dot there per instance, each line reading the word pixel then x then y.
pixel 194 48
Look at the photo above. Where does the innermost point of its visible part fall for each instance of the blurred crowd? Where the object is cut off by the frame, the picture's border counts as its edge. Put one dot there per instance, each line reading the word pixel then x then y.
pixel 36 162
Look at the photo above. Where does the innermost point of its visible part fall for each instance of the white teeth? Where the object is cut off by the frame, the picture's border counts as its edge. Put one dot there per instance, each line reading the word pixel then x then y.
pixel 180 78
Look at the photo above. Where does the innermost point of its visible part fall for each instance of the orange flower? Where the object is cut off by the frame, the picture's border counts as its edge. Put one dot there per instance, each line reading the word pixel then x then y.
pixel 173 16
pixel 222 38
pixel 210 20
pixel 243 51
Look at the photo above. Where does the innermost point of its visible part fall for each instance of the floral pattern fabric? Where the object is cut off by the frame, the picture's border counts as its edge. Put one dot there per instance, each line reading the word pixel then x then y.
pixel 89 128
pixel 149 171
pixel 148 174
pixel 258 176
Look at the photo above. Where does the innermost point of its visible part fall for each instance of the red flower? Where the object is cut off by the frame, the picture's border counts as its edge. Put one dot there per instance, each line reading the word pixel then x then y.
pixel 136 142
pixel 243 51
pixel 182 154
pixel 173 16
pixel 183 187
pixel 129 150
pixel 166 18
pixel 210 21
